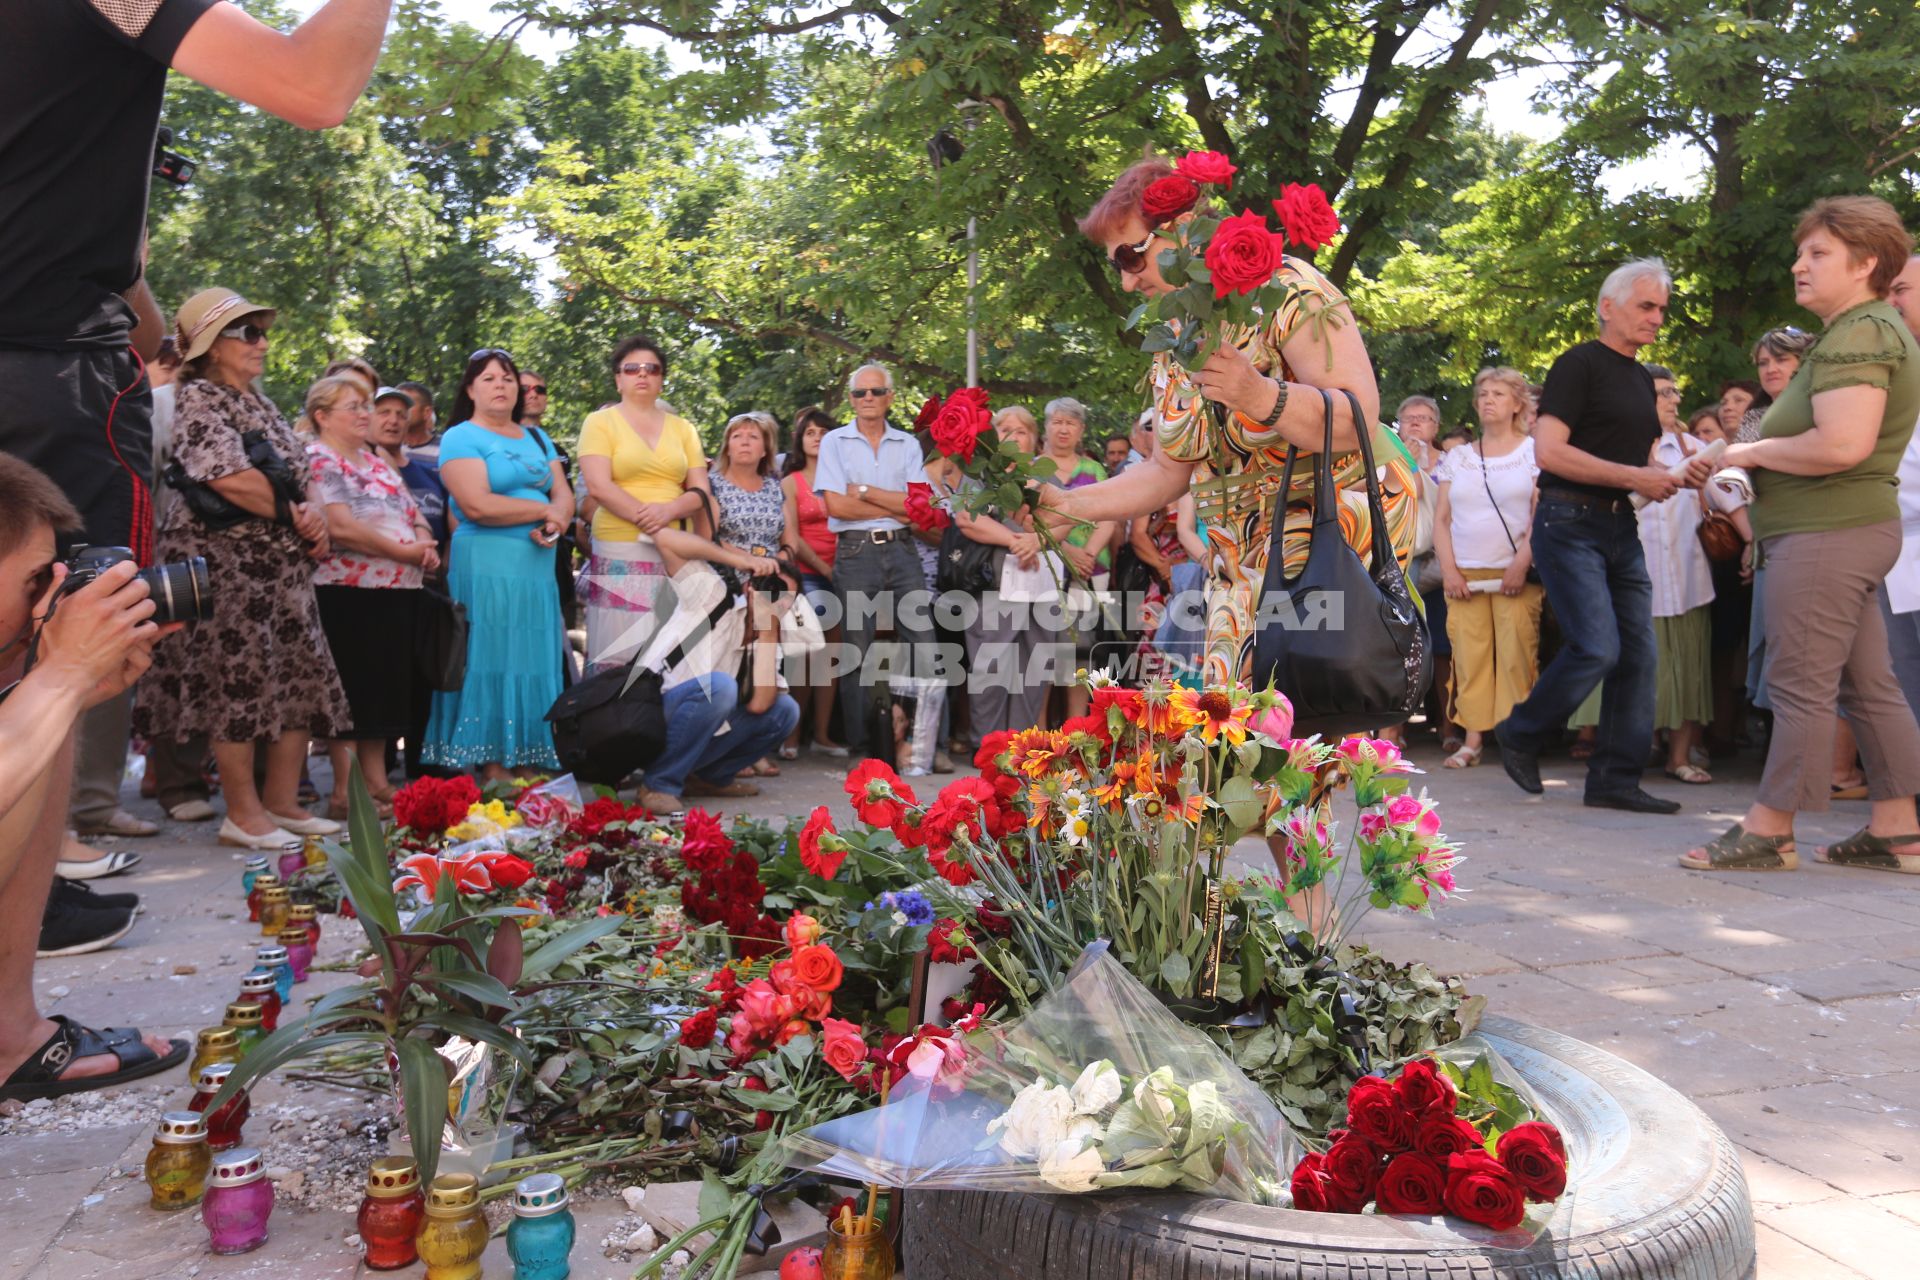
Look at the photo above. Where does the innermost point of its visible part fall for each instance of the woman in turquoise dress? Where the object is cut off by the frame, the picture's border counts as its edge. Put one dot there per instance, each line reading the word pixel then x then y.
pixel 506 488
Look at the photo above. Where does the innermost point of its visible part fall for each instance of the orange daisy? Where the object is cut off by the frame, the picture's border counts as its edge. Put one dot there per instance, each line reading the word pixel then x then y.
pixel 1213 713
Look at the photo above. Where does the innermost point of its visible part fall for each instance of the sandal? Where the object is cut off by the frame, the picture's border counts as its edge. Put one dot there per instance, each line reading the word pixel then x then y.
pixel 1872 852
pixel 1582 749
pixel 1849 790
pixel 39 1076
pixel 1451 743
pixel 789 753
pixel 1464 757
pixel 1738 849
pixel 763 768
pixel 1689 773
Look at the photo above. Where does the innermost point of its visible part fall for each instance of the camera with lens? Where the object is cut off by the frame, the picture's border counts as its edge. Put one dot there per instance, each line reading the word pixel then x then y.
pixel 181 591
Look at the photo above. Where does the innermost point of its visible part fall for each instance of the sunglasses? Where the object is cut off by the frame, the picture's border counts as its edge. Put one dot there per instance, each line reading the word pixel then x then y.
pixel 490 353
pixel 642 368
pixel 248 333
pixel 535 389
pixel 1131 259
pixel 863 392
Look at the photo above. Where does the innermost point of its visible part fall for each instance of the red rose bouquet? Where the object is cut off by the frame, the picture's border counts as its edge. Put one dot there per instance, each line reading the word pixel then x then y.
pixel 1441 1138
pixel 1223 269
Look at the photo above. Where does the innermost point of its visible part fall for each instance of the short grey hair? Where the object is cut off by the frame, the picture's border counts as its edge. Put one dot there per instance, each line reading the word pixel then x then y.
pixel 1069 406
pixel 1620 282
pixel 870 367
pixel 1660 373
pixel 1417 402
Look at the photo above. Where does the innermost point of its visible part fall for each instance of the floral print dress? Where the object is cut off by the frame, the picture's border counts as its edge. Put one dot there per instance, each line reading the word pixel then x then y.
pixel 1251 459
pixel 261 666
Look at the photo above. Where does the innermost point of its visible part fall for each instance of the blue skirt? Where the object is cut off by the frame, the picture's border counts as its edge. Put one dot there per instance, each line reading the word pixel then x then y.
pixel 514 654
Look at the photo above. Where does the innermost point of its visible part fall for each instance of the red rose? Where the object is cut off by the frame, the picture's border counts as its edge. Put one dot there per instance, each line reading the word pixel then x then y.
pixel 1375 1114
pixel 820 862
pixel 993 920
pixel 1243 254
pixel 1440 1136
pixel 509 872
pixel 922 512
pixel 1306 217
pixel 1168 197
pixel 1537 1159
pixel 1480 1189
pixel 817 966
pixel 1208 168
pixel 1411 1183
pixel 1353 1166
pixel 1424 1089
pixel 842 1047
pixel 975 396
pixel 956 429
pixel 928 412
pixel 1312 1188
pixel 697 1032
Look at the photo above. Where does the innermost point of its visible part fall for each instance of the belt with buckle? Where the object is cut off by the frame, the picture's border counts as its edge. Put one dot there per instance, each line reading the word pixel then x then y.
pixel 1592 500
pixel 880 536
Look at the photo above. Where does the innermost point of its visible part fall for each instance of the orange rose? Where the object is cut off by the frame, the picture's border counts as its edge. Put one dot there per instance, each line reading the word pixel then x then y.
pixel 817 966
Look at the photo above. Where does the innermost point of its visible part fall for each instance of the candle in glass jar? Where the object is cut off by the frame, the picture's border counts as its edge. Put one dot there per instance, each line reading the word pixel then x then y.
pixel 272 958
pixel 262 882
pixel 238 1203
pixel 391 1213
pixel 307 916
pixel 224 1122
pixel 541 1235
pixel 276 905
pixel 314 853
pixel 454 1233
pixel 259 988
pixel 211 1045
pixel 299 950
pixel 245 1018
pixel 291 864
pixel 177 1163
pixel 250 871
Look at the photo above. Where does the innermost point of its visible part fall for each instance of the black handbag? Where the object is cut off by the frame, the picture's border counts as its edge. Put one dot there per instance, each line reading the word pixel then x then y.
pixel 440 641
pixel 215 512
pixel 967 566
pixel 612 723
pixel 1345 643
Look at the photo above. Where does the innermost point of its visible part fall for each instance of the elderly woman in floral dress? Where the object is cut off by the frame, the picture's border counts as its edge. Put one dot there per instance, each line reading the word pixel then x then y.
pixel 1268 379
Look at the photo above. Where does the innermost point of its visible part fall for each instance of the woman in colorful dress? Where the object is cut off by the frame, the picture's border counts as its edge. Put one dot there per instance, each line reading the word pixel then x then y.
pixel 507 490
pixel 369 586
pixel 1268 380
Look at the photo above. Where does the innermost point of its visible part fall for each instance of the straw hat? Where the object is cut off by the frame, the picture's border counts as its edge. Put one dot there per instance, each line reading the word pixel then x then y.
pixel 206 313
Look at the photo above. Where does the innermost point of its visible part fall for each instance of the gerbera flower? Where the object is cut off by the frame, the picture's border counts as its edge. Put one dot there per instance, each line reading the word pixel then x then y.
pixel 1213 712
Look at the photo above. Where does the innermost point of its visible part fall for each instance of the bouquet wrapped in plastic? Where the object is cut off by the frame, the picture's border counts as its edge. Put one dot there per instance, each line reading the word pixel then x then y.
pixel 1098 1087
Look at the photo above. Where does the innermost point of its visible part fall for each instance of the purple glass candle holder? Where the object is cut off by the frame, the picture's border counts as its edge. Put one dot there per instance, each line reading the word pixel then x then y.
pixel 238 1202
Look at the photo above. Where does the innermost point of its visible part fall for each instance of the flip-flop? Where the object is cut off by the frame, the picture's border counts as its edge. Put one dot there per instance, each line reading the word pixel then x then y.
pixel 107 864
pixel 1691 774
pixel 39 1076
pixel 1874 853
pixel 1737 849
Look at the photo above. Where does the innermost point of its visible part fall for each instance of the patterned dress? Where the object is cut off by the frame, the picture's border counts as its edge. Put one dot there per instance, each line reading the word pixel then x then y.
pixel 1239 514
pixel 261 666
pixel 750 518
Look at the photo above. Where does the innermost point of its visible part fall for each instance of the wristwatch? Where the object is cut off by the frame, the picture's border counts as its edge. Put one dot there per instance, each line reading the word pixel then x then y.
pixel 860 491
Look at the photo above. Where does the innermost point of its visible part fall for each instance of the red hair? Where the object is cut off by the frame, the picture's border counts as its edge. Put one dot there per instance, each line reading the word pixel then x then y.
pixel 1122 201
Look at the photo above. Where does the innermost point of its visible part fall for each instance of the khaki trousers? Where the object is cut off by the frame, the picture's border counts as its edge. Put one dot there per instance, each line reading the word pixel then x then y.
pixel 1496 651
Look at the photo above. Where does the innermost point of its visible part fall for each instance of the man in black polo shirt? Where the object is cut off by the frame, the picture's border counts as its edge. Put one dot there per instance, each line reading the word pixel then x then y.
pixel 1597 426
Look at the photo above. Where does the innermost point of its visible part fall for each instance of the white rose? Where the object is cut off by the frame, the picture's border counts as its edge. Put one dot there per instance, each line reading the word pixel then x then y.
pixel 1097 1088
pixel 1036 1122
pixel 1072 1165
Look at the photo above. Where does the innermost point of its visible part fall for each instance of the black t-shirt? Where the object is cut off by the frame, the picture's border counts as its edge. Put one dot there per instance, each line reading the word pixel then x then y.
pixel 80 88
pixel 1606 399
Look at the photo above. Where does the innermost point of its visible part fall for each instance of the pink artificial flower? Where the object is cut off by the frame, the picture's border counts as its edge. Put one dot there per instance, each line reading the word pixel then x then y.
pixel 1415 814
pixel 1362 750
pixel 1276 722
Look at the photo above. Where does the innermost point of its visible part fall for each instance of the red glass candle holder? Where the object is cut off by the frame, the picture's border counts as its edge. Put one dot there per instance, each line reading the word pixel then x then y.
pixel 391 1213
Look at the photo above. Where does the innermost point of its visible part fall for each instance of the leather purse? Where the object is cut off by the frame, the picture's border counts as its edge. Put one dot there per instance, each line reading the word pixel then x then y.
pixel 1719 535
pixel 1345 642
pixel 967 566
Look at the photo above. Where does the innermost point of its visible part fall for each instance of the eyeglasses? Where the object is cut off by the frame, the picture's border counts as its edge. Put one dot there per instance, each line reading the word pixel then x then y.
pixel 861 393
pixel 1131 259
pixel 248 333
pixel 1671 393
pixel 640 369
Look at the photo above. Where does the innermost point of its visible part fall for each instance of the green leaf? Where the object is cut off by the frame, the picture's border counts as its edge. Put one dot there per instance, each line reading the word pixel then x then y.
pixel 476 984
pixel 423 1086
pixel 557 949
pixel 1175 971
pixel 1159 338
pixel 367 842
pixel 284 1045
pixel 716 1198
pixel 1237 796
pixel 461 1024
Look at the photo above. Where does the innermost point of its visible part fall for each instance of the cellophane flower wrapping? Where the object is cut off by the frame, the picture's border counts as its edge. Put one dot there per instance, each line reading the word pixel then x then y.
pixel 1098 1087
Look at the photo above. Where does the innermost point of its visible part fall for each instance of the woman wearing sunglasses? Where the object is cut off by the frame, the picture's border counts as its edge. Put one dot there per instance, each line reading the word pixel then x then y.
pixel 641 465
pixel 260 670
pixel 1268 379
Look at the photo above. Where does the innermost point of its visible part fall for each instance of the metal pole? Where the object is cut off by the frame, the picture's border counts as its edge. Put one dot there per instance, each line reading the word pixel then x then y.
pixel 973 284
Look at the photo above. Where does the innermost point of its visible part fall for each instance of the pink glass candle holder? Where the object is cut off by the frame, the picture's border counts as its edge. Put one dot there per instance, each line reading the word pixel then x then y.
pixel 238 1202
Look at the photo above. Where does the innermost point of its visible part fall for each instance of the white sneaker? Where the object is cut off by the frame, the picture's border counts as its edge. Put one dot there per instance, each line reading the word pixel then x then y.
pixel 306 826
pixel 231 833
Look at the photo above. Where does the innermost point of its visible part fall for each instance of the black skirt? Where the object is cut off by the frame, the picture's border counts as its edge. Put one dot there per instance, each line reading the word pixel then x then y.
pixel 370 630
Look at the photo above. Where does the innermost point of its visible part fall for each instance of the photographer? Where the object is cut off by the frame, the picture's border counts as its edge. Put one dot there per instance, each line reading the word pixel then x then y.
pixel 81 84
pixel 88 646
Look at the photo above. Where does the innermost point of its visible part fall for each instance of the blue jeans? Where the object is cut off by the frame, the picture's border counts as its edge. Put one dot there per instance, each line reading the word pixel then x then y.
pixel 1903 646
pixel 695 710
pixel 1595 574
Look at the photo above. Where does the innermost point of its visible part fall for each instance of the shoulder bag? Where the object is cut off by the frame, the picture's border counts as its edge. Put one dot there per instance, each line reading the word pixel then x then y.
pixel 215 512
pixel 1346 643
pixel 1719 536
pixel 967 566
pixel 440 641
pixel 1480 449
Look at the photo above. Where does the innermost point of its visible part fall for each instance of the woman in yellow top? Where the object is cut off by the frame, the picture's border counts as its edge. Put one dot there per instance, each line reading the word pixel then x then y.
pixel 1265 375
pixel 642 466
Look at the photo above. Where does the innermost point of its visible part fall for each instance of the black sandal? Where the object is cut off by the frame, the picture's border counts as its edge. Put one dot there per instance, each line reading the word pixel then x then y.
pixel 1875 853
pixel 39 1076
pixel 1737 849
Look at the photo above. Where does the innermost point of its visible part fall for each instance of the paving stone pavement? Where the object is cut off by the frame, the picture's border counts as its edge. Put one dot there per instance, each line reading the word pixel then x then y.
pixel 1787 1006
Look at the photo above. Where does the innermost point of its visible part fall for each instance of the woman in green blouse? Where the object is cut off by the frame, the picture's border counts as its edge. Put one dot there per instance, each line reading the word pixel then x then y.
pixel 1827 522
